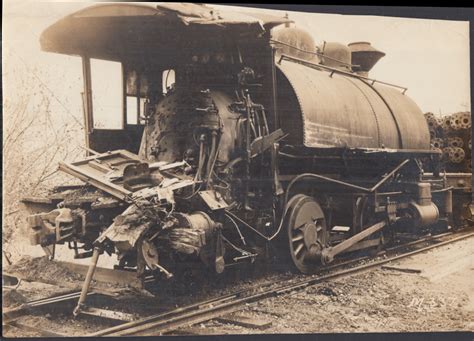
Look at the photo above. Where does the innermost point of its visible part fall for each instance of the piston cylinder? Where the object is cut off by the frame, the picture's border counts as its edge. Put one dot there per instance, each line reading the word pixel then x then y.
pixel 423 215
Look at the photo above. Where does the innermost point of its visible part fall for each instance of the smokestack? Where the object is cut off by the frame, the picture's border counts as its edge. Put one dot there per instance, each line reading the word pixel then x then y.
pixel 364 57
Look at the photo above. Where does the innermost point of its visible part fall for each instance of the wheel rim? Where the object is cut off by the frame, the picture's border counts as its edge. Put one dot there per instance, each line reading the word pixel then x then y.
pixel 306 233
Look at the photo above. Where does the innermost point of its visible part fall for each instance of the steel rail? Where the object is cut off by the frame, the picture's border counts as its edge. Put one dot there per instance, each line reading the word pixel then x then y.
pixel 10 314
pixel 37 330
pixel 176 311
pixel 156 325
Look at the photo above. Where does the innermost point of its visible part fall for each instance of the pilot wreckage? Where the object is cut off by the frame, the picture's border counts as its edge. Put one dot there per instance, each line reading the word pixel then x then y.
pixel 265 146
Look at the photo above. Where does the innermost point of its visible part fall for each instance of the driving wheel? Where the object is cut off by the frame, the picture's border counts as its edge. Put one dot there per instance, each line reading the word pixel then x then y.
pixel 306 232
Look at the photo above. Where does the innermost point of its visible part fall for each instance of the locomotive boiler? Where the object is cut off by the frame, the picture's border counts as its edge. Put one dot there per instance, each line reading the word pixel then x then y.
pixel 238 139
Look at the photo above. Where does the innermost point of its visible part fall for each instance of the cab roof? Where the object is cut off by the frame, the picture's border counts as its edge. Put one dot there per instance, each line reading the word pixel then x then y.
pixel 114 31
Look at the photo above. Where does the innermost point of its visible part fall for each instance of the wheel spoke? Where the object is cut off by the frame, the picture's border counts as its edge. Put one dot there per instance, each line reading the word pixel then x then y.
pixel 297 237
pixel 299 227
pixel 302 256
pixel 298 249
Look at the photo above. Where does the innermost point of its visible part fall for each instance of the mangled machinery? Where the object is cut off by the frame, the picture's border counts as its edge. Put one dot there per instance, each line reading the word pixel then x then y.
pixel 237 140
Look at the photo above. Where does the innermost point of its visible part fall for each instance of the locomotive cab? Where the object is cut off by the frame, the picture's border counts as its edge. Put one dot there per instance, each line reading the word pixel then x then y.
pixel 144 51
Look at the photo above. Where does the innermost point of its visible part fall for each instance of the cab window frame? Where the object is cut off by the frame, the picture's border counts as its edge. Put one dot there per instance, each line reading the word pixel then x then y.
pixel 138 94
pixel 94 125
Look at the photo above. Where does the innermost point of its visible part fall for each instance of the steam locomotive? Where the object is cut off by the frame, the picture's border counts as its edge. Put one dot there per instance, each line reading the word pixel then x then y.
pixel 238 139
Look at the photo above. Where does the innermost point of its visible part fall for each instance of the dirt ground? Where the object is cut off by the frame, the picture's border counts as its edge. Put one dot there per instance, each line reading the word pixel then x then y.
pixel 440 298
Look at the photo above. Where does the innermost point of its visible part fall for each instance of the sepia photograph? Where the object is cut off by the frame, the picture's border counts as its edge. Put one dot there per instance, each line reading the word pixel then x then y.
pixel 189 169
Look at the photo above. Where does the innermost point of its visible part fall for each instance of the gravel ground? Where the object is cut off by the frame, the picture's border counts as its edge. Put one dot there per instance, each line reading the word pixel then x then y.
pixel 161 297
pixel 440 298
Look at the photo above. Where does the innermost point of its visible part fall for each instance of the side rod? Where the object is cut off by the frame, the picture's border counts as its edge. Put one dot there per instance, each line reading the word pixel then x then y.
pixel 329 253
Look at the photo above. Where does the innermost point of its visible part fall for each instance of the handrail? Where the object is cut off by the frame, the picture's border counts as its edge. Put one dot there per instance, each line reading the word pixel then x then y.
pixel 319 54
pixel 334 70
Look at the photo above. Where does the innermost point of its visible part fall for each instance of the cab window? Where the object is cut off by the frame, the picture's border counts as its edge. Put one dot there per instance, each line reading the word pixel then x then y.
pixel 136 94
pixel 168 80
pixel 107 94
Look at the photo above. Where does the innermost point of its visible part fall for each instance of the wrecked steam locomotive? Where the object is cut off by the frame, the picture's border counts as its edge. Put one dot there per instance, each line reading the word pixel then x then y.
pixel 237 140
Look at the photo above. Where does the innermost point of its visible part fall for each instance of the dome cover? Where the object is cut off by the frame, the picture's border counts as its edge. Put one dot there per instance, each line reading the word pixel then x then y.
pixel 295 42
pixel 336 55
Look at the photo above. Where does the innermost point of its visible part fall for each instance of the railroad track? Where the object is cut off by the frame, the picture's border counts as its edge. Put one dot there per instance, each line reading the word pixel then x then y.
pixel 205 311
pixel 10 317
pixel 199 312
pixel 11 314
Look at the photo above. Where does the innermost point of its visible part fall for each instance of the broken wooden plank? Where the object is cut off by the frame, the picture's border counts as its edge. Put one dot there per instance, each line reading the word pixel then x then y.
pixel 106 275
pixel 94 170
pixel 95 180
pixel 395 268
pixel 37 200
pixel 62 188
pixel 338 228
pixel 99 166
pixel 101 157
pixel 173 165
pixel 106 202
pixel 108 314
pixel 245 321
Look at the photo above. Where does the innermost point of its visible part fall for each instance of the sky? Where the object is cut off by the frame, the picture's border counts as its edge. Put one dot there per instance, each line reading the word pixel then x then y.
pixel 429 57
